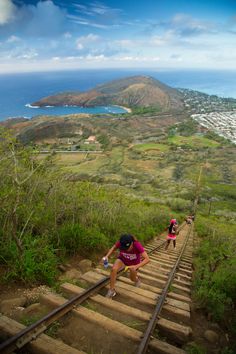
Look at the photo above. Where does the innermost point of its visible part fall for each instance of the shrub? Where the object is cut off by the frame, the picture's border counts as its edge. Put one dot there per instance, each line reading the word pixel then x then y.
pixel 215 280
pixel 36 264
pixel 73 238
pixel 179 204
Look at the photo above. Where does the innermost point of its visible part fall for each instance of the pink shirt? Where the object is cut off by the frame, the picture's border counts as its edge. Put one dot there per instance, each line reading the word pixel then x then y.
pixel 131 257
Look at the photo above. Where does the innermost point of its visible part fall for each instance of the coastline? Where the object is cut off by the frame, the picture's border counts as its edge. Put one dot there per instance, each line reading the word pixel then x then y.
pixel 128 110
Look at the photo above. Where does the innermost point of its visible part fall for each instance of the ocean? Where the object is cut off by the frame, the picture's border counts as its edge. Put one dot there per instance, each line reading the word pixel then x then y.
pixel 18 91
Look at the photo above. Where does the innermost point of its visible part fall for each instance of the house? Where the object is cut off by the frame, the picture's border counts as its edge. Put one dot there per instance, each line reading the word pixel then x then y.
pixel 91 140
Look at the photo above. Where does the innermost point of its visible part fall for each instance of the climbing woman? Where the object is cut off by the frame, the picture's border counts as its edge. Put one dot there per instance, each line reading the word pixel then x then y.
pixel 172 231
pixel 132 254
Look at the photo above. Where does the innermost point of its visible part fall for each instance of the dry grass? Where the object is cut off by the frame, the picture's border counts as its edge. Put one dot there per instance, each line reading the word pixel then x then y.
pixel 70 159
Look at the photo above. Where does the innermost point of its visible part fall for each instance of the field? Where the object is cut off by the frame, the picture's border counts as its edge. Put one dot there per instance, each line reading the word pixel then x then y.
pixel 155 157
pixel 193 141
pixel 155 165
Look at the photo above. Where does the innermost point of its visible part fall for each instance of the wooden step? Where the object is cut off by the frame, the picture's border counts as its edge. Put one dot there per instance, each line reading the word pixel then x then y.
pixel 145 298
pixel 119 329
pixel 41 345
pixel 172 330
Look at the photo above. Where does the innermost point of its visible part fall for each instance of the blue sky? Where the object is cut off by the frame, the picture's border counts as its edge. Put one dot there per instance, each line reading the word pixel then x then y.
pixel 173 34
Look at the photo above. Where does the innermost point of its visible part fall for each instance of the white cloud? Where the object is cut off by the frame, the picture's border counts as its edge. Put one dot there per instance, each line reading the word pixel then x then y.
pixel 7 11
pixel 86 22
pixel 126 43
pixel 138 59
pixel 67 35
pixel 100 57
pixel 186 25
pixel 29 55
pixel 98 9
pixel 86 41
pixel 56 58
pixel 79 46
pixel 157 41
pixel 44 19
pixel 13 39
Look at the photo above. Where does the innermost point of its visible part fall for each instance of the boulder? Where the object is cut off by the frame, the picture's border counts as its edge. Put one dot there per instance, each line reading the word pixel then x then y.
pixel 85 265
pixel 17 313
pixel 7 306
pixel 33 310
pixel 211 336
pixel 62 268
pixel 72 274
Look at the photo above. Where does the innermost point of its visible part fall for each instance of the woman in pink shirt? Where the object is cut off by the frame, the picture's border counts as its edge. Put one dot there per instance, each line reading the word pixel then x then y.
pixel 132 254
pixel 172 232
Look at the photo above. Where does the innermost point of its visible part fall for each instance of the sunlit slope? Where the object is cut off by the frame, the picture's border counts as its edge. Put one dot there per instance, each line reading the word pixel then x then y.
pixel 136 91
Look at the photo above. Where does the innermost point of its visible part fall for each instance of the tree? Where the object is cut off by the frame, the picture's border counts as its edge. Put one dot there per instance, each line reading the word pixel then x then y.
pixel 19 175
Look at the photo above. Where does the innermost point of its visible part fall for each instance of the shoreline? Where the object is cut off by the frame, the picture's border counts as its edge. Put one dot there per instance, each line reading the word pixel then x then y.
pixel 129 110
pixel 50 113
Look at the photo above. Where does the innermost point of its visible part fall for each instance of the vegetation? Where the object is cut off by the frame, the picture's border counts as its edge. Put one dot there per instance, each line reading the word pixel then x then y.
pixel 143 93
pixel 63 217
pixel 193 142
pixel 81 203
pixel 146 110
pixel 188 128
pixel 215 281
pixel 151 146
pixel 194 348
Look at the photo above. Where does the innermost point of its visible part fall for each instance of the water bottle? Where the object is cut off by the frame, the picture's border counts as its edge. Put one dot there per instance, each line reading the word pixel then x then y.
pixel 105 262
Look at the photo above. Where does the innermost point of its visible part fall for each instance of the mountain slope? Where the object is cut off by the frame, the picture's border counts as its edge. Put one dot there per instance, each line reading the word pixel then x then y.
pixel 136 91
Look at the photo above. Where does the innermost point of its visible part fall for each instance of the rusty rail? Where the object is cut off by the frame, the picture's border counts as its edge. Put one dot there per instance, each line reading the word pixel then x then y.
pixel 152 323
pixel 33 331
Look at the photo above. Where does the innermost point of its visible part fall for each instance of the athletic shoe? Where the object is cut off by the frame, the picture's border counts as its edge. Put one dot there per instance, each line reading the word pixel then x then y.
pixel 111 293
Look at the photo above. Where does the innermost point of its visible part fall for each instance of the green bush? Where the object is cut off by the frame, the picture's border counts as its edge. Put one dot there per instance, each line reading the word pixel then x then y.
pixel 179 204
pixel 188 127
pixel 215 280
pixel 36 264
pixel 78 239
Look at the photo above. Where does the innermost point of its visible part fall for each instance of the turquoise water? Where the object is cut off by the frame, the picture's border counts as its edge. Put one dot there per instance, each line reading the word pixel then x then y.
pixel 18 91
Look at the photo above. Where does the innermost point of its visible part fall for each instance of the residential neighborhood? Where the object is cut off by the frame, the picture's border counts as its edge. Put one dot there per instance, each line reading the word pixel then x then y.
pixel 223 123
pixel 212 112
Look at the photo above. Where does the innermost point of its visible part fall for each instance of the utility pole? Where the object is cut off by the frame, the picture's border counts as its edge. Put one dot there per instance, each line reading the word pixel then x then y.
pixel 209 209
pixel 197 192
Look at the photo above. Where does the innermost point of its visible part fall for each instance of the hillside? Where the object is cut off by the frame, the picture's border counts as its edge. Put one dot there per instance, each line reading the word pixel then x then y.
pixel 136 91
pixel 143 172
pixel 78 127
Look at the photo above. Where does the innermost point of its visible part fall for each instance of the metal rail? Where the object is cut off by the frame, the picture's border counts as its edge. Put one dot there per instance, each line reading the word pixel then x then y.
pixel 33 331
pixel 152 323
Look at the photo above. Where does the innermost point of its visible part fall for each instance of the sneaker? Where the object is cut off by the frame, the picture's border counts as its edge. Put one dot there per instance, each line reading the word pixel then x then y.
pixel 138 283
pixel 111 293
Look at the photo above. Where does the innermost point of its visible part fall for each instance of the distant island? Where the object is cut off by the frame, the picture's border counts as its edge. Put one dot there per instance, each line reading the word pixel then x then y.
pixel 130 92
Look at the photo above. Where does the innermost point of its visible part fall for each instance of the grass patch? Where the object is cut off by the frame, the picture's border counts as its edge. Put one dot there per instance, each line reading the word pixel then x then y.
pixel 151 146
pixel 88 166
pixel 29 320
pixel 193 348
pixel 69 158
pixel 52 330
pixel 193 141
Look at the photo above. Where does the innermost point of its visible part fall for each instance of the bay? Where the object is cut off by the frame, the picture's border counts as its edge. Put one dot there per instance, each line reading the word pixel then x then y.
pixel 18 91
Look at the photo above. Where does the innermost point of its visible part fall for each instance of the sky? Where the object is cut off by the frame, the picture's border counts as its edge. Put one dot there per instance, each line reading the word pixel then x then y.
pixel 39 35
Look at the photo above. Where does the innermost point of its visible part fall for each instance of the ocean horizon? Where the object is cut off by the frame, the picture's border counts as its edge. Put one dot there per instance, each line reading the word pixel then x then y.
pixel 19 91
